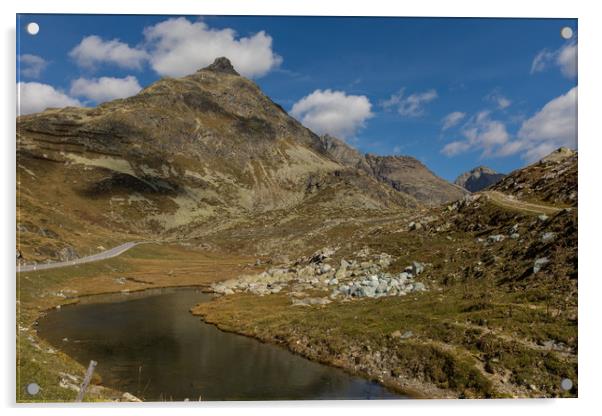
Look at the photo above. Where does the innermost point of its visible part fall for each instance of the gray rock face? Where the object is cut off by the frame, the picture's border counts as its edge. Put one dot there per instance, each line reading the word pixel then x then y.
pixel 325 268
pixel 415 226
pixel 547 237
pixel 223 65
pixel 68 253
pixel 417 268
pixel 405 174
pixel 321 255
pixel 478 179
pixel 496 238
pixel 343 153
pixel 341 273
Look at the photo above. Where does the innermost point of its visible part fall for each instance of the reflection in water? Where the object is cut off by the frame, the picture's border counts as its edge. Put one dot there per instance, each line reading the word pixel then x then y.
pixel 150 345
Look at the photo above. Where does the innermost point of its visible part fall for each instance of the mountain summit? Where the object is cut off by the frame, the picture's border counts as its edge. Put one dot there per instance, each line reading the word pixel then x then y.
pixel 223 65
pixel 478 178
pixel 182 157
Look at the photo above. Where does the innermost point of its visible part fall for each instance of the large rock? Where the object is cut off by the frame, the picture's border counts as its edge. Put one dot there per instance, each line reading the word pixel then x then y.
pixel 417 268
pixel 342 270
pixel 67 254
pixel 496 238
pixel 540 263
pixel 321 255
pixel 129 397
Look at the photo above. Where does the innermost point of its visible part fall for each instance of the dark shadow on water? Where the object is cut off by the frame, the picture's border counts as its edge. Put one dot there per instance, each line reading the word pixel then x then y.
pixel 150 345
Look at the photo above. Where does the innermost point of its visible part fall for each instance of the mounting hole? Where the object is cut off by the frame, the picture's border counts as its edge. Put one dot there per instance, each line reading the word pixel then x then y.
pixel 566 33
pixel 32 389
pixel 566 384
pixel 33 28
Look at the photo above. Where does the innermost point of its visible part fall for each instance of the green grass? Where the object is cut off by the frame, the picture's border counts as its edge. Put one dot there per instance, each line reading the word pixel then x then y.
pixel 147 266
pixel 454 336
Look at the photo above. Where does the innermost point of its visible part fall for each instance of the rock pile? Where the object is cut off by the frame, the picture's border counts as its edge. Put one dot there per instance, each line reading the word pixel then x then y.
pixel 378 285
pixel 359 278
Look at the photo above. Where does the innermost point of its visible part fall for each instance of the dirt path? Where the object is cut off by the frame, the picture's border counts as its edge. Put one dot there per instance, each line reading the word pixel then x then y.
pixel 508 201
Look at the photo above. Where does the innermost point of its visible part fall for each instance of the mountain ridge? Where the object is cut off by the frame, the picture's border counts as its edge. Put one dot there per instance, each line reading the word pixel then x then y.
pixel 405 174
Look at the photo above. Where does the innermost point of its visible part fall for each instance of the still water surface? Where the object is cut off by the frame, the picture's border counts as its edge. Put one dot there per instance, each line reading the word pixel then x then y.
pixel 149 344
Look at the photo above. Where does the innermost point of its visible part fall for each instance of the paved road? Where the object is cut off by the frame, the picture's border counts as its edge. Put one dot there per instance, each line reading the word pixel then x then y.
pixel 508 201
pixel 107 254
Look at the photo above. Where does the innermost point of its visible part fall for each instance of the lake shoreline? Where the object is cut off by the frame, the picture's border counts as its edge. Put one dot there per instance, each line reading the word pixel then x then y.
pixel 417 390
pixel 93 298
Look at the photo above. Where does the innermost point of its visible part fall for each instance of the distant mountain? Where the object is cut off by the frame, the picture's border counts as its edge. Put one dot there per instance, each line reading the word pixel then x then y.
pixel 478 179
pixel 403 173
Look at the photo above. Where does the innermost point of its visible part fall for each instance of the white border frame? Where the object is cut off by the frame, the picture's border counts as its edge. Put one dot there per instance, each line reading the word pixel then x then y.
pixel 590 70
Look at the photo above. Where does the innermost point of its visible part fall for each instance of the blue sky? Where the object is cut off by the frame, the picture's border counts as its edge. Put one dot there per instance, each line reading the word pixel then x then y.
pixel 455 93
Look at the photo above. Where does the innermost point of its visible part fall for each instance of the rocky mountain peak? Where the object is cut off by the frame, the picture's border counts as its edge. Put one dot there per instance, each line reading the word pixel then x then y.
pixel 480 170
pixel 223 65
pixel 478 178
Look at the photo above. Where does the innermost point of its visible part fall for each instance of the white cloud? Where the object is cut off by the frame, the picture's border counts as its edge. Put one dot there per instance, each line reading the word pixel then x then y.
pixel 333 112
pixel 541 60
pixel 564 58
pixel 503 102
pixel 452 119
pixel 567 60
pixel 480 132
pixel 411 105
pixel 498 99
pixel 93 50
pixel 179 47
pixel 105 88
pixel 454 148
pixel 33 97
pixel 554 126
pixel 31 66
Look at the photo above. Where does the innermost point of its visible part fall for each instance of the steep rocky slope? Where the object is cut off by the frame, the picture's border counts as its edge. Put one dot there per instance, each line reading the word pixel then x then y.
pixel 403 173
pixel 553 179
pixel 478 178
pixel 408 175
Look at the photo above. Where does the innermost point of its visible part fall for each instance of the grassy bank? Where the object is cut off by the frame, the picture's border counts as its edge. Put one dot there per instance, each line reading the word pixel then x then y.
pixel 458 343
pixel 143 267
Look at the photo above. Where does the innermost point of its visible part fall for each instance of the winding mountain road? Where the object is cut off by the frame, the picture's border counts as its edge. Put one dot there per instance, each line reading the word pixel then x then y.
pixel 507 201
pixel 103 255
